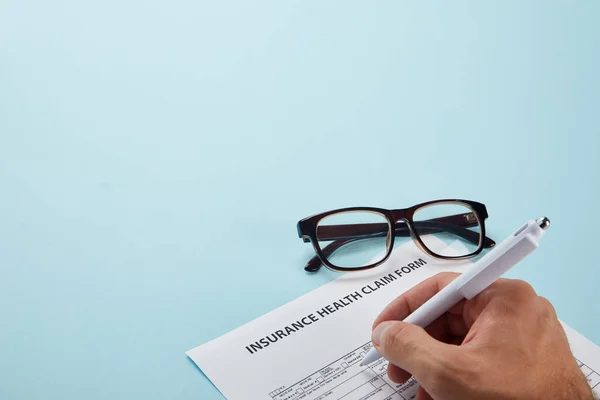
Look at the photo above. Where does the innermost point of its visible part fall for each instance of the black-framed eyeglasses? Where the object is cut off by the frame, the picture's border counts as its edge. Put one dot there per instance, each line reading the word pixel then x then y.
pixel 359 238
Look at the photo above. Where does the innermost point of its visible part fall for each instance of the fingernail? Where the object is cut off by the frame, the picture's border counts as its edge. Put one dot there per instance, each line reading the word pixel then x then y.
pixel 379 332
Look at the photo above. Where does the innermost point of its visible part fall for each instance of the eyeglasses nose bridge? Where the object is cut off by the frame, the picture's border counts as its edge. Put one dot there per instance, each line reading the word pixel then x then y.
pixel 398 215
pixel 400 221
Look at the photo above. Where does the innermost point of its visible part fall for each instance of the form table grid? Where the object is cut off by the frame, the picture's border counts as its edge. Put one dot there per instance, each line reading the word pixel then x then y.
pixel 346 379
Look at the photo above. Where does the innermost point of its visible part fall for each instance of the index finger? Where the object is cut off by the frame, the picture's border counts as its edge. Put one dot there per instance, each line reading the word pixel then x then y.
pixel 415 297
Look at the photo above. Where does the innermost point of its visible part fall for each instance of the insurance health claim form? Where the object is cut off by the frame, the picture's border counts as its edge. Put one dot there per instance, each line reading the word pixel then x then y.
pixel 311 348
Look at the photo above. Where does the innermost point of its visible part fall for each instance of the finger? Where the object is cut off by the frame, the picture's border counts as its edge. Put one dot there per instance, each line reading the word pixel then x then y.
pixel 448 328
pixel 439 329
pixel 422 394
pixel 510 294
pixel 411 348
pixel 412 299
pixel 456 325
pixel 397 374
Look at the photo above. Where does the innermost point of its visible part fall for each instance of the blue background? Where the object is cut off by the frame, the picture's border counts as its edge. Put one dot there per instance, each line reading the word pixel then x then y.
pixel 156 156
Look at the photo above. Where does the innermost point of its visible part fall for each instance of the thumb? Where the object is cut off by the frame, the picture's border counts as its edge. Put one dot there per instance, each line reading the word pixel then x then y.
pixel 410 348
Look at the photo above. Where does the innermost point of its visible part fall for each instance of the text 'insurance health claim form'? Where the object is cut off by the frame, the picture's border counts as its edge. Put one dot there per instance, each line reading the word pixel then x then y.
pixel 311 348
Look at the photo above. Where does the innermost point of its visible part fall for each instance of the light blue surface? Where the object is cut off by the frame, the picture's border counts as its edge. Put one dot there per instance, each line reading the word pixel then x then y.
pixel 156 156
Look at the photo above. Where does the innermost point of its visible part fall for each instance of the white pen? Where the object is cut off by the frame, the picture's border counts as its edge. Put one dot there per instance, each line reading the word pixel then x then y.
pixel 483 273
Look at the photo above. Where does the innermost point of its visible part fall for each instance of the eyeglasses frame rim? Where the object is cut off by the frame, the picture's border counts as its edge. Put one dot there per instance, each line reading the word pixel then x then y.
pixel 307 230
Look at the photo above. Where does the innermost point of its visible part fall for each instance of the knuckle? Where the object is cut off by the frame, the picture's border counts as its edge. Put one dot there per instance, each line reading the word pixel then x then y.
pixel 546 307
pixel 502 306
pixel 523 288
pixel 517 292
pixel 397 337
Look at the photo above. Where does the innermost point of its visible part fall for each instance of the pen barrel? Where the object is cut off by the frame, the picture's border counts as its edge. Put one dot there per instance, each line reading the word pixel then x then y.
pixel 436 306
pixel 502 258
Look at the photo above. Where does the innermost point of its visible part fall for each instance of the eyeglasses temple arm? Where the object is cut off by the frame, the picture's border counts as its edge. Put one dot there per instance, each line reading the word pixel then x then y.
pixel 363 231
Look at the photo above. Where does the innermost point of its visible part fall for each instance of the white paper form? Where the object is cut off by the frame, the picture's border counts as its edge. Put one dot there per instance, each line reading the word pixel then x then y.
pixel 587 354
pixel 310 348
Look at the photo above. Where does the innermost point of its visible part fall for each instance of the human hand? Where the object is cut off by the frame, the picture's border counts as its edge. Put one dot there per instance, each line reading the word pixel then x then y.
pixel 505 343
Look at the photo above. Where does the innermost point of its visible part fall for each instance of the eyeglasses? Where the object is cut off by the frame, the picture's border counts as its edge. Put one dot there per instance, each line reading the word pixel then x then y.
pixel 359 238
